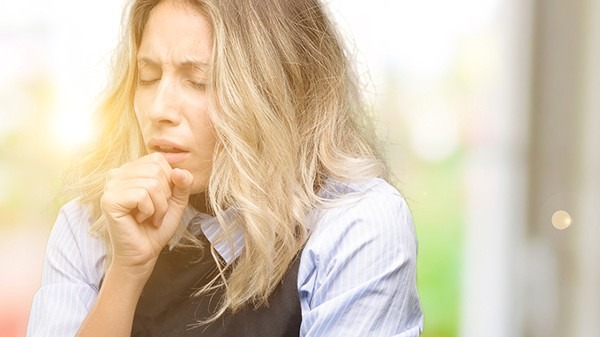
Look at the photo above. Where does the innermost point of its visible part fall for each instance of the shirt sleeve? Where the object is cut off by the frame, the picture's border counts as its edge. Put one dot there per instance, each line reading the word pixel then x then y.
pixel 71 273
pixel 358 277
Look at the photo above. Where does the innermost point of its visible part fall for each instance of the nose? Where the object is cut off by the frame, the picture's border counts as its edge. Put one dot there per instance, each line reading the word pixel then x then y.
pixel 164 107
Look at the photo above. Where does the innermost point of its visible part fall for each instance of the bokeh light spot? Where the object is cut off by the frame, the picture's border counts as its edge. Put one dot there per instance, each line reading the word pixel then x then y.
pixel 561 220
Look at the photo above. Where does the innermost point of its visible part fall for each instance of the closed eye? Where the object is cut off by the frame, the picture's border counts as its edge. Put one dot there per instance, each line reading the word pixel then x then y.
pixel 198 85
pixel 146 82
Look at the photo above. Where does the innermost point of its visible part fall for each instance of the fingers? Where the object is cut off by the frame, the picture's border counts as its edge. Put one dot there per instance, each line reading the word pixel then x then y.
pixel 145 207
pixel 141 188
pixel 152 167
pixel 143 202
pixel 152 200
pixel 182 181
pixel 182 185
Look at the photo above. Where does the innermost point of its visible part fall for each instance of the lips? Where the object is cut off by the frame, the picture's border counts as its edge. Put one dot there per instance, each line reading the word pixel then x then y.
pixel 167 149
pixel 173 152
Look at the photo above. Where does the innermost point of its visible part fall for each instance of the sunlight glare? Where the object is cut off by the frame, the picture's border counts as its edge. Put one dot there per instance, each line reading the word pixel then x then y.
pixel 72 130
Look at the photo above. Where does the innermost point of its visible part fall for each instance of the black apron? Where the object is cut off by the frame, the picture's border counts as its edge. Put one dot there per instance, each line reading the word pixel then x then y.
pixel 166 309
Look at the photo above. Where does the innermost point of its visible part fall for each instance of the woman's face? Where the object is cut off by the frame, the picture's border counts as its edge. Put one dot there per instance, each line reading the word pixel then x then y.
pixel 170 98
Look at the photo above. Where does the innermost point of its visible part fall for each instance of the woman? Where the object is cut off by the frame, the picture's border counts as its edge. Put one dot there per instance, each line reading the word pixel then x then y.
pixel 234 190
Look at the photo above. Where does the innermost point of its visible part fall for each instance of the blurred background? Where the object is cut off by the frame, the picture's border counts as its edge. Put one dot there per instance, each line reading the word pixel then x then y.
pixel 489 109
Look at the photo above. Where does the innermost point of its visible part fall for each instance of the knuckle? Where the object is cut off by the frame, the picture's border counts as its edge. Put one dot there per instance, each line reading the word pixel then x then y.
pixel 156 156
pixel 154 169
pixel 104 201
pixel 111 174
pixel 107 201
pixel 141 194
pixel 154 185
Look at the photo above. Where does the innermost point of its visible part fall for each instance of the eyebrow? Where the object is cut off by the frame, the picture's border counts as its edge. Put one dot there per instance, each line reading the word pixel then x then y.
pixel 186 62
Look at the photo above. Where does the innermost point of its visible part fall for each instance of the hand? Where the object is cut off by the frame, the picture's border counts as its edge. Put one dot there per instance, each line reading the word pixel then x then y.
pixel 143 203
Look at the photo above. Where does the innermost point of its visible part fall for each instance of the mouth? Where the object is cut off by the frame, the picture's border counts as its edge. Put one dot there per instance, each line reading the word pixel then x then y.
pixel 172 152
pixel 166 149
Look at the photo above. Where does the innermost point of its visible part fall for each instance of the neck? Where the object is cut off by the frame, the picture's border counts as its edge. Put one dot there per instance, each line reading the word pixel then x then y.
pixel 200 203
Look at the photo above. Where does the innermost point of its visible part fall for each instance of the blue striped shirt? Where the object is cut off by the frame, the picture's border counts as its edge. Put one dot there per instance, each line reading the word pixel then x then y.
pixel 357 273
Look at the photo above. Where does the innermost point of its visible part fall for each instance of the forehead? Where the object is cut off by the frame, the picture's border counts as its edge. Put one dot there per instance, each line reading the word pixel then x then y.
pixel 177 33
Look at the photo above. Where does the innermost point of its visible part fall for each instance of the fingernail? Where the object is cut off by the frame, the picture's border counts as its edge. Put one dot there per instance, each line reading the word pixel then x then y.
pixel 185 176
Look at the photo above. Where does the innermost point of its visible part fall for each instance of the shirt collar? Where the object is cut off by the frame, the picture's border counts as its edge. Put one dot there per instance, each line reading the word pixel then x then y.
pixel 229 247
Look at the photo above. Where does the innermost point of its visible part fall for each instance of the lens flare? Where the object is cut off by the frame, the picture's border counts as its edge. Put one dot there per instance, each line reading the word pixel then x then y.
pixel 561 220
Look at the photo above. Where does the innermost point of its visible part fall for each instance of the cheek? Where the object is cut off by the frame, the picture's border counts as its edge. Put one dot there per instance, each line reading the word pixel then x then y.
pixel 202 128
pixel 208 137
pixel 205 140
pixel 137 106
pixel 140 117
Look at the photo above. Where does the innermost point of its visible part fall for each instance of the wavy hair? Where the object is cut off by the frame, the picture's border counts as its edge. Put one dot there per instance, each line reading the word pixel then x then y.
pixel 286 110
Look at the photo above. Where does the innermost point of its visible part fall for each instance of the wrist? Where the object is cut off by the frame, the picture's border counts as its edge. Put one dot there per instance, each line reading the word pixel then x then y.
pixel 134 274
pixel 116 303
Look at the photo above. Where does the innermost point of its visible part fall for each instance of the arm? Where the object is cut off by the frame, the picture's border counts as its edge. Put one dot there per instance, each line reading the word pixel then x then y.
pixel 362 279
pixel 143 202
pixel 71 273
pixel 113 310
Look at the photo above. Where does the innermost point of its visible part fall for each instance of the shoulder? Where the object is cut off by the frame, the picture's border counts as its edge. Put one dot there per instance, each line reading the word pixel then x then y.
pixel 74 219
pixel 373 209
pixel 72 249
pixel 359 264
pixel 73 268
pixel 370 220
pixel 75 211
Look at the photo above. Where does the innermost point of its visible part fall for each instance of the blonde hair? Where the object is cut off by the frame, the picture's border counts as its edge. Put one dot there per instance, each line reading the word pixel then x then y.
pixel 287 114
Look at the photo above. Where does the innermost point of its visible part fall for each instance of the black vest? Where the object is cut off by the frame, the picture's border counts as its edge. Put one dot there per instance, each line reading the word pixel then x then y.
pixel 166 309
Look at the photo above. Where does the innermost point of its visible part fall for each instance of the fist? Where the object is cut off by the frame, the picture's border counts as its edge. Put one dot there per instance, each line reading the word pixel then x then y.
pixel 143 202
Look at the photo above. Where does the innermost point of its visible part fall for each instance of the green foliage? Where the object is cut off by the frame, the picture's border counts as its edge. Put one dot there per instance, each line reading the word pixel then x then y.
pixel 438 212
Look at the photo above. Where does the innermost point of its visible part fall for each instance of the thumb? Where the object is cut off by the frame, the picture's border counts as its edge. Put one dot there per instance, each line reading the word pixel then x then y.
pixel 182 186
